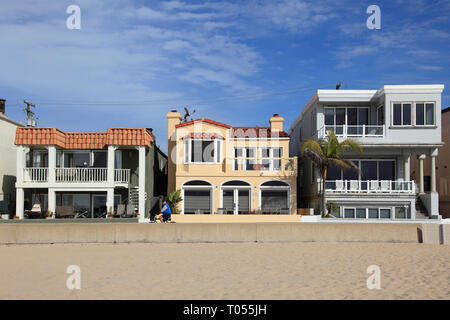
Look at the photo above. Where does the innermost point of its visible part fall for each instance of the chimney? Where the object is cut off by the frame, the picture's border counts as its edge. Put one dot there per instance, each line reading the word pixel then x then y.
pixel 173 118
pixel 276 122
pixel 2 106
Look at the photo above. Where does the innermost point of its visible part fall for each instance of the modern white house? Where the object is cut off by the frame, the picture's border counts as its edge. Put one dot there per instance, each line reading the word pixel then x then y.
pixel 7 161
pixel 393 124
pixel 88 174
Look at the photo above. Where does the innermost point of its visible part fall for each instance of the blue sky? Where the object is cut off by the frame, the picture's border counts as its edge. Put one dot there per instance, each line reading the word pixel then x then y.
pixel 236 62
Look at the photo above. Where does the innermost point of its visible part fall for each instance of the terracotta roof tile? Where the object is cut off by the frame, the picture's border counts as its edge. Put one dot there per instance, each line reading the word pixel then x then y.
pixel 256 132
pixel 183 124
pixel 84 140
pixel 203 135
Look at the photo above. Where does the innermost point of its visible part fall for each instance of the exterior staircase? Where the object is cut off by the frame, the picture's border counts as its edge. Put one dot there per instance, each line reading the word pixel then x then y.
pixel 421 211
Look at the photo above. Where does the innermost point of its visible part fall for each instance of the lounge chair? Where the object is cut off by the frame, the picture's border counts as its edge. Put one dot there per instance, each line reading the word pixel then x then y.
pixel 34 213
pixel 81 214
pixel 120 212
pixel 130 211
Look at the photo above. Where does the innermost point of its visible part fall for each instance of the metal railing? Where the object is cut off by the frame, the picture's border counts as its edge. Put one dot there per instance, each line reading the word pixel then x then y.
pixel 265 164
pixel 35 174
pixel 352 131
pixel 370 186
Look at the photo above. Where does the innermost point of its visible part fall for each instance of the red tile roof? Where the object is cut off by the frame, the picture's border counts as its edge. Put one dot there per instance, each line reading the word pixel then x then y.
pixel 183 124
pixel 256 132
pixel 240 132
pixel 84 140
pixel 203 135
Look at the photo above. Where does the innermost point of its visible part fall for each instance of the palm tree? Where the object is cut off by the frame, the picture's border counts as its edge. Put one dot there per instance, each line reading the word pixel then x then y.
pixel 327 152
pixel 173 199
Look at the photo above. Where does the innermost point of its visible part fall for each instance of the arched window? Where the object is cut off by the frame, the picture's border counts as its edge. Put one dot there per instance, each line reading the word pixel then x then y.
pixel 236 183
pixel 275 184
pixel 197 183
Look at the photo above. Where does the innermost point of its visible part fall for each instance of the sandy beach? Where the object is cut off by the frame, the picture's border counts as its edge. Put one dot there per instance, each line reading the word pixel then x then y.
pixel 225 271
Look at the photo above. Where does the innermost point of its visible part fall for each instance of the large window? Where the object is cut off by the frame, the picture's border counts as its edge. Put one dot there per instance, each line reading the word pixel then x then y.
pixel 368 170
pixel 202 151
pixel 424 113
pixel 402 212
pixel 353 117
pixel 275 197
pixel 402 114
pixel 248 158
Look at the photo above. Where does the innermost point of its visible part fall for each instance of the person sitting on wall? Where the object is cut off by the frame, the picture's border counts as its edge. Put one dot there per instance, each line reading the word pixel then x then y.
pixel 165 212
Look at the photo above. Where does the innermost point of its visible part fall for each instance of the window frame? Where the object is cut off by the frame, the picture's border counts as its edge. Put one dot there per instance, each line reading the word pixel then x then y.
pixel 425 114
pixel 414 114
pixel 218 152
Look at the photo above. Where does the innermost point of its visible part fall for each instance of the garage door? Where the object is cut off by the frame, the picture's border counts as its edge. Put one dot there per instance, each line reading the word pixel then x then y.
pixel 197 200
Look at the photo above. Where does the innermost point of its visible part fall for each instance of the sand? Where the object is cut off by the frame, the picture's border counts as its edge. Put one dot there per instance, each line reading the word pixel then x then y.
pixel 225 271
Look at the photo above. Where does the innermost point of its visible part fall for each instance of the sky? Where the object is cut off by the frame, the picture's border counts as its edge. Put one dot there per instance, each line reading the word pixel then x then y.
pixel 236 62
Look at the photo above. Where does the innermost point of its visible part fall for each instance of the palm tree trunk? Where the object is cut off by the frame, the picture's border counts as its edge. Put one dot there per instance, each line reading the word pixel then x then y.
pixel 324 176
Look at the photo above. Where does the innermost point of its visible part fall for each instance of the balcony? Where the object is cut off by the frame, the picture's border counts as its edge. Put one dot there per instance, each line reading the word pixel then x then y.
pixel 269 165
pixel 76 175
pixel 350 131
pixel 369 187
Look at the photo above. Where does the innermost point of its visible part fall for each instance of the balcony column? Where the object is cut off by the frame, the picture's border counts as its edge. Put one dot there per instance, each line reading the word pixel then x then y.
pixel 20 164
pixel 406 168
pixel 141 183
pixel 51 175
pixel 19 202
pixel 51 198
pixel 421 178
pixel 109 201
pixel 433 170
pixel 110 164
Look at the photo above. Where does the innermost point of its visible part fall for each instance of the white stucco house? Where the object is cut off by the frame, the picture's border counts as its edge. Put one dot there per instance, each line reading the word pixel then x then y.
pixel 7 161
pixel 393 124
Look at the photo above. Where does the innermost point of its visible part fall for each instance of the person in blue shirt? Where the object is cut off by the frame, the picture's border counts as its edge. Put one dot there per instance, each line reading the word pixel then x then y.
pixel 165 212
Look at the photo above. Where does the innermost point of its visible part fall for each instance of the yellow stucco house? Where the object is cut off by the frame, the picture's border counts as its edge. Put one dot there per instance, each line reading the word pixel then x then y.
pixel 222 169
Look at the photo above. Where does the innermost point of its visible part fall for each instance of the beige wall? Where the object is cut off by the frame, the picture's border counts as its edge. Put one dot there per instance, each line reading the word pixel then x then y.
pixel 217 174
pixel 7 158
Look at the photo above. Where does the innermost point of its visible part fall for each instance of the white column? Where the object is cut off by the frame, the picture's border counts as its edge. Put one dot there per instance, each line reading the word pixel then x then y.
pixel 433 174
pixel 51 167
pixel 110 163
pixel 406 168
pixel 421 179
pixel 19 202
pixel 141 183
pixel 110 201
pixel 51 198
pixel 20 164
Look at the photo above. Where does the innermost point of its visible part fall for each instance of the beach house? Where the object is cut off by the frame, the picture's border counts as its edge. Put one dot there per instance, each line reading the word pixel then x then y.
pixel 393 124
pixel 7 162
pixel 88 174
pixel 222 169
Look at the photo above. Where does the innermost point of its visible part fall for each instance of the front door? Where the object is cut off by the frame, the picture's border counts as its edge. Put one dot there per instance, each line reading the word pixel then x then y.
pixel 236 201
pixel 99 206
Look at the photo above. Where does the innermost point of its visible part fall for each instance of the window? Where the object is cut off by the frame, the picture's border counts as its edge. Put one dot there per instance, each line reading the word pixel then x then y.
pixel 248 160
pixel 380 115
pixel 354 117
pixel 369 170
pixel 402 114
pixel 202 151
pixel 429 109
pixel 420 114
pixel 271 158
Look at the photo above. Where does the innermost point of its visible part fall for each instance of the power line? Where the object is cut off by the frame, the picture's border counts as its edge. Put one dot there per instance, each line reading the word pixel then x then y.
pixel 176 101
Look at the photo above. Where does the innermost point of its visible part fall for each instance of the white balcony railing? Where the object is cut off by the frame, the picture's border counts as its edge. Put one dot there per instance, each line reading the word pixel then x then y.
pixel 268 164
pixel 361 131
pixel 370 186
pixel 81 174
pixel 122 175
pixel 76 175
pixel 35 174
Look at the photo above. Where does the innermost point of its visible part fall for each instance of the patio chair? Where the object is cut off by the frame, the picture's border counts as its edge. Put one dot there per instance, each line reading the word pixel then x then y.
pixel 373 185
pixel 339 185
pixel 120 212
pixel 64 212
pixel 34 213
pixel 82 214
pixel 354 185
pixel 130 211
pixel 384 185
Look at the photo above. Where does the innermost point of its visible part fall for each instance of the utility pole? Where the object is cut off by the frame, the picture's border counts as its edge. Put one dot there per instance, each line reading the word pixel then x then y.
pixel 31 119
